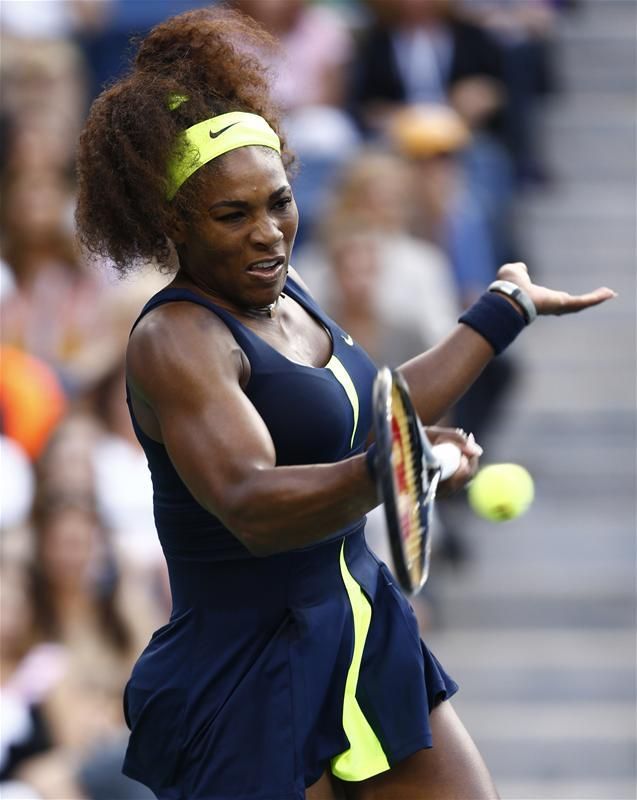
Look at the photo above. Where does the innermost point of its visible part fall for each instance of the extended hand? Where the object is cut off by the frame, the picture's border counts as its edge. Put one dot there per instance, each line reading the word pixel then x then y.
pixel 551 301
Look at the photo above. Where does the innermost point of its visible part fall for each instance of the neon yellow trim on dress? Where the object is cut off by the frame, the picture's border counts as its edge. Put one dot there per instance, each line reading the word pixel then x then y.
pixel 211 138
pixel 342 376
pixel 365 756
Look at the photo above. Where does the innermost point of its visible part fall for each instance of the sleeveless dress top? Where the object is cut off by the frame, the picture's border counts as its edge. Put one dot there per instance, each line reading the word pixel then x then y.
pixel 271 670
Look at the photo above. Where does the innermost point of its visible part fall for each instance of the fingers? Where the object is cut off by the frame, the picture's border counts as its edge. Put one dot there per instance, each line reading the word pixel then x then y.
pixel 572 303
pixel 469 464
pixel 469 460
pixel 518 272
pixel 467 469
pixel 461 477
pixel 472 449
pixel 464 441
pixel 550 301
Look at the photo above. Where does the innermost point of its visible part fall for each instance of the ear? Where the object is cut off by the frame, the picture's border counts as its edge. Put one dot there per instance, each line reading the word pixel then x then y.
pixel 176 228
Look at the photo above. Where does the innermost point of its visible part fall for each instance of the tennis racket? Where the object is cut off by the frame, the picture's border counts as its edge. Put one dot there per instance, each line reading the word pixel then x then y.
pixel 408 471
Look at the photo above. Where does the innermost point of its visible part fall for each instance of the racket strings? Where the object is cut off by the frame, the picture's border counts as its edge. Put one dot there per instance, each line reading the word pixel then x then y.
pixel 407 468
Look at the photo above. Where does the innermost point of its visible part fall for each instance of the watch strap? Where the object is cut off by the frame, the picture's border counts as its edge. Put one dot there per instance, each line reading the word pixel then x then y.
pixel 513 291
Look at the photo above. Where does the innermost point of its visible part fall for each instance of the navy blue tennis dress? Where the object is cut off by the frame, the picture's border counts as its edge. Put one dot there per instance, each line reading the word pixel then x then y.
pixel 273 669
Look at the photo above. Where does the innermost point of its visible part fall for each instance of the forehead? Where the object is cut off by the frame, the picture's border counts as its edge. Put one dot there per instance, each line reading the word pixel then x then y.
pixel 246 173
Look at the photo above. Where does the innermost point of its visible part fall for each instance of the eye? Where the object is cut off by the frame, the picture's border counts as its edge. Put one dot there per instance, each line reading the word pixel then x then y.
pixel 283 203
pixel 233 216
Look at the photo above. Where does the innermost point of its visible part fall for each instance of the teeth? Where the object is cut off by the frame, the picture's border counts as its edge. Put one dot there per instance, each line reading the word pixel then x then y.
pixel 265 264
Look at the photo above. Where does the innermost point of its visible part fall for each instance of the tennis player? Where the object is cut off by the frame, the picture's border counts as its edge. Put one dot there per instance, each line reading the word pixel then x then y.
pixel 291 666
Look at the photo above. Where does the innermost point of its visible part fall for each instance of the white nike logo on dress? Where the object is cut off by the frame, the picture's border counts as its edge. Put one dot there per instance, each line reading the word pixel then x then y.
pixel 347 339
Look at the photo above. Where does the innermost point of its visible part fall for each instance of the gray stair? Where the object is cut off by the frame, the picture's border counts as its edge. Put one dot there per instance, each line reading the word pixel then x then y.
pixel 597 46
pixel 539 629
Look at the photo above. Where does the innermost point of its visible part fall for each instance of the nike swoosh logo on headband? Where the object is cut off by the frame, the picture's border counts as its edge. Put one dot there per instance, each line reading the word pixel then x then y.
pixel 214 135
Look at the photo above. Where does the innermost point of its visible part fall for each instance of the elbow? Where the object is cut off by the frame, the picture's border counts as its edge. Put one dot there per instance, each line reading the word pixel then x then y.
pixel 253 527
pixel 258 547
pixel 265 509
pixel 257 541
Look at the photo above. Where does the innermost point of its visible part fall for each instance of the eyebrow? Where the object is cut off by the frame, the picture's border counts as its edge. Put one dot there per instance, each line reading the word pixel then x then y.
pixel 245 204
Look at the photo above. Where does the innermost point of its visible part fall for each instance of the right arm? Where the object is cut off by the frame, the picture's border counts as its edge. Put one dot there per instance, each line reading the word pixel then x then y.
pixel 220 445
pixel 185 366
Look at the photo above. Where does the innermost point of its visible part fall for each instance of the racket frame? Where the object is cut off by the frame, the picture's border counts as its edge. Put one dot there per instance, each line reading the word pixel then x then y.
pixel 411 577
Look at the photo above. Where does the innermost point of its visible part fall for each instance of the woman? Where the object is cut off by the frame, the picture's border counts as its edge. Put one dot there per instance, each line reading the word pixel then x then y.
pixel 290 661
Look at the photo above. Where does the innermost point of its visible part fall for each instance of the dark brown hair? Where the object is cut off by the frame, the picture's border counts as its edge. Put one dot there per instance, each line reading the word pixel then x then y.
pixel 211 57
pixel 103 589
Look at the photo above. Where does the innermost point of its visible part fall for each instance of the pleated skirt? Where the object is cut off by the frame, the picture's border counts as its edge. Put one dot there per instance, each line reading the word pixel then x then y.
pixel 273 670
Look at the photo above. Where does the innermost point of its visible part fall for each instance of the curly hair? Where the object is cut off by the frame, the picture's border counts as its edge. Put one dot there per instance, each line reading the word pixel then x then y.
pixel 208 56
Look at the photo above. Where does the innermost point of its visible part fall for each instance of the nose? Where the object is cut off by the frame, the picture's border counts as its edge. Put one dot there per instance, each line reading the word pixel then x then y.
pixel 266 232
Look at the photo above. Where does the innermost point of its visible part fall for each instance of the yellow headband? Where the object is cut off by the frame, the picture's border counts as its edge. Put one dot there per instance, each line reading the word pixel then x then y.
pixel 213 137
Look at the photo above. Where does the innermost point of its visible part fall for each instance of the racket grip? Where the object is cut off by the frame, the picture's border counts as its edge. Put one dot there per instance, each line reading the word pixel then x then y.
pixel 448 456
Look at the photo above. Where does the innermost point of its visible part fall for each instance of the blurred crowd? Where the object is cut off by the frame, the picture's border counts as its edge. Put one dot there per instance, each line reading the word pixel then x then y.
pixel 414 125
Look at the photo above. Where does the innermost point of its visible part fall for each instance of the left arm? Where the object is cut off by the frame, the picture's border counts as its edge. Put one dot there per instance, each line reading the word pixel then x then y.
pixel 441 375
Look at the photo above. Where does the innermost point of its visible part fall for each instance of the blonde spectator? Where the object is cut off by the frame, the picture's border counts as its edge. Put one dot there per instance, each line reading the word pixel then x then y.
pixel 415 284
pixel 355 261
pixel 43 94
pixel 54 308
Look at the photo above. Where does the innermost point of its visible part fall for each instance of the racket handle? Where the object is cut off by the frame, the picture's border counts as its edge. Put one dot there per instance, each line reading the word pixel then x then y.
pixel 448 456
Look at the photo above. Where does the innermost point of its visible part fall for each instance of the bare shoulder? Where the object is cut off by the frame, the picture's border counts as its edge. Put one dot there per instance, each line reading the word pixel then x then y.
pixel 171 343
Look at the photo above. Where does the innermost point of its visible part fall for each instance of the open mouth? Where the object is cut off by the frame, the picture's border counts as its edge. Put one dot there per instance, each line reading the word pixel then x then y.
pixel 267 268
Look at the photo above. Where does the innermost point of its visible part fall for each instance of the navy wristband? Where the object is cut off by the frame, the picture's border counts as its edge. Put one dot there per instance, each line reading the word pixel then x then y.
pixel 370 461
pixel 495 319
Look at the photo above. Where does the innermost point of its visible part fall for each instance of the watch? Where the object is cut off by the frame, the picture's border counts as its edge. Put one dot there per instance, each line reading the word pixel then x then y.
pixel 513 291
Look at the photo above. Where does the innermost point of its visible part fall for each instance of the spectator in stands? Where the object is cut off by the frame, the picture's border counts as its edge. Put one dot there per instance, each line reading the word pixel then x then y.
pixel 415 286
pixel 524 31
pixel 421 51
pixel 354 255
pixel 442 208
pixel 312 68
pixel 43 94
pixel 445 213
pixel 425 52
pixel 30 671
pixel 54 307
pixel 82 603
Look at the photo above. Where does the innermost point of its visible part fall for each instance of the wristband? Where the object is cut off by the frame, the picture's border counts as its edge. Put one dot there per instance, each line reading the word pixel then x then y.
pixel 513 291
pixel 370 461
pixel 495 319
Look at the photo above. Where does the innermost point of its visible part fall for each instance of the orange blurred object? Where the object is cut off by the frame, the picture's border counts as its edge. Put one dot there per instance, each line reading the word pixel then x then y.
pixel 423 131
pixel 32 400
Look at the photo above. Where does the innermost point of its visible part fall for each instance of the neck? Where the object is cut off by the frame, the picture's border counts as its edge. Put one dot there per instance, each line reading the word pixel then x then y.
pixel 184 280
pixel 270 311
pixel 69 596
pixel 363 309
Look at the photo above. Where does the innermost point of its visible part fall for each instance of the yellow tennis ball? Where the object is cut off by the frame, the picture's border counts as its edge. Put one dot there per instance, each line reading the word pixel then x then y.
pixel 501 491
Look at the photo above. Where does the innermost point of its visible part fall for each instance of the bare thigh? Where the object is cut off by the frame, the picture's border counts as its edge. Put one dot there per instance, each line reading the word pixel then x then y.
pixel 452 769
pixel 326 788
